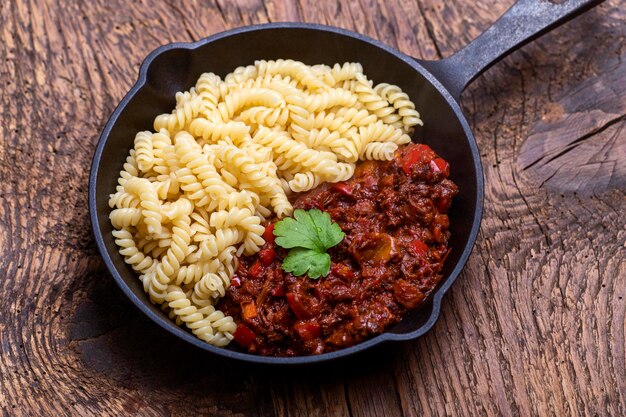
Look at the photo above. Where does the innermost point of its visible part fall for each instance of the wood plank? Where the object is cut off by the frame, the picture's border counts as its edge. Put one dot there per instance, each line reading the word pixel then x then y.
pixel 534 326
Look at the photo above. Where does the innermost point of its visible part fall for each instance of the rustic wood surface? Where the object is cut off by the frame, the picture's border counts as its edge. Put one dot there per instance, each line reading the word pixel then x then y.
pixel 534 326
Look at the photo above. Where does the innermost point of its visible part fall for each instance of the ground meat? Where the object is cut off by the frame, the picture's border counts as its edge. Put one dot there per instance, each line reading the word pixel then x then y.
pixel 394 217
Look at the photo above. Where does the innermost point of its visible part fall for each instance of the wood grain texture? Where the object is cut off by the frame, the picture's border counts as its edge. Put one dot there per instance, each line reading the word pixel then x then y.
pixel 534 326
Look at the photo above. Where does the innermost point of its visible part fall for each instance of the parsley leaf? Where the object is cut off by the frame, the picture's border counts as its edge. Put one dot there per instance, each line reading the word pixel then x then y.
pixel 309 234
pixel 300 261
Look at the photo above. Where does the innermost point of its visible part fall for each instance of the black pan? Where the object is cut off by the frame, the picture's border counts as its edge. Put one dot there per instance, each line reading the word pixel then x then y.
pixel 434 86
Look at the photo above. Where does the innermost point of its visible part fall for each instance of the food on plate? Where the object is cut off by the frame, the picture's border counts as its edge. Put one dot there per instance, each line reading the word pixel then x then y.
pixel 196 194
pixel 385 235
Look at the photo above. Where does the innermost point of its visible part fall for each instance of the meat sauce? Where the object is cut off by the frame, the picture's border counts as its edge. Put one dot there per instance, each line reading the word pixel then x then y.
pixel 394 218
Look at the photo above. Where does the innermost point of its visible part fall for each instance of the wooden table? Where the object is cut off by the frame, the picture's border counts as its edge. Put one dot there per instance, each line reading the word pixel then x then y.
pixel 534 326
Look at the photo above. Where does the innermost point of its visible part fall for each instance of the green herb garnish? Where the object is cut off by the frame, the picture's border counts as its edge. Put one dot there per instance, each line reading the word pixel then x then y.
pixel 309 235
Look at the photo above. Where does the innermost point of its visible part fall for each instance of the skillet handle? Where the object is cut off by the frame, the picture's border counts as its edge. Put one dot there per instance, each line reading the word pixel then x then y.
pixel 523 22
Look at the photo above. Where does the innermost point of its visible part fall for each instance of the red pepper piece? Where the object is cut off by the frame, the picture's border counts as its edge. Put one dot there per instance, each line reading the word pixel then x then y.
pixel 256 269
pixel 268 234
pixel 419 248
pixel 267 255
pixel 307 330
pixel 417 154
pixel 342 188
pixel 442 204
pixel 244 336
pixel 235 281
pixel 296 306
pixel 440 165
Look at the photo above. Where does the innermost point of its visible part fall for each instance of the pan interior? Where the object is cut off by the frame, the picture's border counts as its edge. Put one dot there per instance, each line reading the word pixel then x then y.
pixel 177 69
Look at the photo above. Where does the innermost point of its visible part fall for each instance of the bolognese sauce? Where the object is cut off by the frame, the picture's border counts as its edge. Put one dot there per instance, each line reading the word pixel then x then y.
pixel 394 216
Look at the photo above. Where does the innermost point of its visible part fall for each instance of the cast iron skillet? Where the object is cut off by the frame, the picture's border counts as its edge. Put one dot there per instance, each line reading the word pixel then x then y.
pixel 434 86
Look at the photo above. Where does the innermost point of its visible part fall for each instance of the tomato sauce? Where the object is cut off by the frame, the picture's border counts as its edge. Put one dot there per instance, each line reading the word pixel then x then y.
pixel 394 218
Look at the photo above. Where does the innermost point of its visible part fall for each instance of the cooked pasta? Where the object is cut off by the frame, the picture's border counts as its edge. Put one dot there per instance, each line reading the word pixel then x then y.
pixel 304 181
pixel 380 151
pixel 144 151
pixel 401 102
pixel 374 103
pixel 193 195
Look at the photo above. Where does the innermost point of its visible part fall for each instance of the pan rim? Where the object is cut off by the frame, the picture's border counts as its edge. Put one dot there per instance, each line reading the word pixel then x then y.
pixel 179 332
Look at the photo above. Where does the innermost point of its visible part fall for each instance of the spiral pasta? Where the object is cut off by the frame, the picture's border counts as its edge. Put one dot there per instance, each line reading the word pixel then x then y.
pixel 294 69
pixel 188 105
pixel 304 181
pixel 206 323
pixel 125 217
pixel 380 151
pixel 346 72
pixel 265 116
pixel 401 102
pixel 151 210
pixel 375 103
pixel 330 98
pixel 211 132
pixel 144 151
pixel 194 194
pixel 122 199
pixel 237 100
pixel 132 256
pixel 208 88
